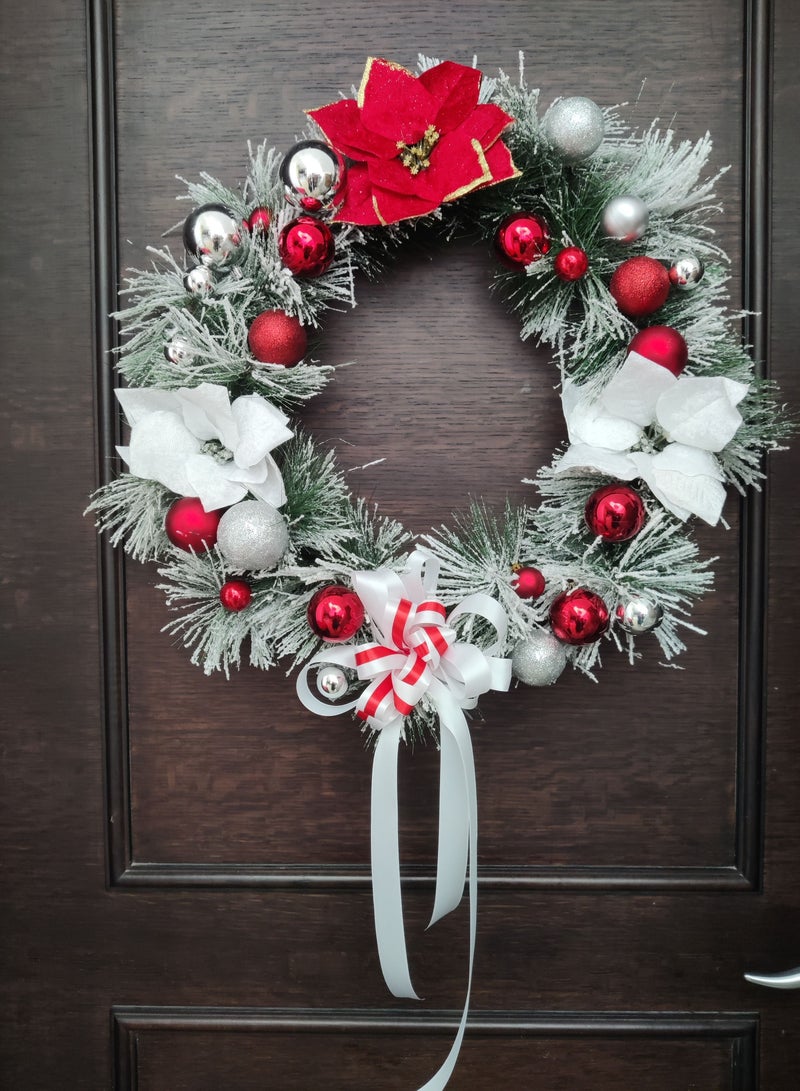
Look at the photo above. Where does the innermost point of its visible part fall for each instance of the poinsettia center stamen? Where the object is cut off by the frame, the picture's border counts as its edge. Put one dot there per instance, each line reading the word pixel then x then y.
pixel 218 451
pixel 417 156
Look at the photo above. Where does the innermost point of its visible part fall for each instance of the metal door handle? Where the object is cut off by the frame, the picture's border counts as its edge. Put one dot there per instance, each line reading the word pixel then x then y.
pixel 789 979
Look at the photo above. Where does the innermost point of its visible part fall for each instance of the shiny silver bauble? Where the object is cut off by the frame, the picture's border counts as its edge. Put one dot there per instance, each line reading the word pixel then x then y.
pixel 313 176
pixel 213 236
pixel 639 615
pixel 332 682
pixel 625 218
pixel 199 280
pixel 686 272
pixel 178 351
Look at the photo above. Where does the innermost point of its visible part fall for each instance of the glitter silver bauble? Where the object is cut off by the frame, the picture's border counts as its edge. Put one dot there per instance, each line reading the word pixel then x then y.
pixel 252 535
pixel 625 218
pixel 686 272
pixel 178 351
pixel 313 175
pixel 639 615
pixel 332 682
pixel 199 280
pixel 212 235
pixel 539 659
pixel 575 127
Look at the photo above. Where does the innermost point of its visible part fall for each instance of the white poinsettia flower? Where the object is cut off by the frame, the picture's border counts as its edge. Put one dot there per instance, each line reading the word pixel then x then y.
pixel 697 415
pixel 197 442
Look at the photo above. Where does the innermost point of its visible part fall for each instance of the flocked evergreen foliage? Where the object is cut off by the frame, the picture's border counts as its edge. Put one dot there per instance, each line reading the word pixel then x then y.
pixel 331 535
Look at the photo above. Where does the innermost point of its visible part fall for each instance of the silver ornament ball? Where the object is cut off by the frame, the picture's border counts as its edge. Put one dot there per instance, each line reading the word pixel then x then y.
pixel 575 127
pixel 625 218
pixel 539 659
pixel 331 682
pixel 213 236
pixel 199 280
pixel 252 535
pixel 178 351
pixel 639 615
pixel 313 176
pixel 686 272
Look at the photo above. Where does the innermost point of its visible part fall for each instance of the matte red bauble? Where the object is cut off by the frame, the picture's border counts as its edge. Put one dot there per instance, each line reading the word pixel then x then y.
pixel 306 247
pixel 615 512
pixel 189 526
pixel 335 613
pixel 235 595
pixel 522 238
pixel 663 345
pixel 275 337
pixel 571 263
pixel 640 286
pixel 579 616
pixel 259 219
pixel 528 582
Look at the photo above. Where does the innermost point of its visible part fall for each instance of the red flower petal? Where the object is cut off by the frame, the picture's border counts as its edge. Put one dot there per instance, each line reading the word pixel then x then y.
pixel 485 124
pixel 457 166
pixel 393 207
pixel 399 179
pixel 456 89
pixel 394 103
pixel 341 123
pixel 500 163
pixel 357 206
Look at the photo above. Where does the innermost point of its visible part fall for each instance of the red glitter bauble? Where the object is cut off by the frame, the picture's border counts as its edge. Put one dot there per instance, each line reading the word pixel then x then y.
pixel 335 613
pixel 189 526
pixel 522 238
pixel 275 337
pixel 306 247
pixel 662 345
pixel 258 220
pixel 579 616
pixel 571 263
pixel 640 286
pixel 528 582
pixel 615 512
pixel 235 595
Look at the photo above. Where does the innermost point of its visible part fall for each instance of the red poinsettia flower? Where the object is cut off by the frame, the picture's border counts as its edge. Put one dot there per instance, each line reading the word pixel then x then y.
pixel 415 141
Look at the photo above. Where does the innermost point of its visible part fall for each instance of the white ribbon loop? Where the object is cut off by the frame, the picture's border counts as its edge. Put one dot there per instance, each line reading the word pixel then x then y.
pixel 698 416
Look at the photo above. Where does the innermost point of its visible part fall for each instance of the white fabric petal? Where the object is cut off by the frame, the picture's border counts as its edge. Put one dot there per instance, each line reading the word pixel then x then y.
pixel 635 389
pixel 588 422
pixel 580 456
pixel 686 480
pixel 701 412
pixel 272 490
pixel 159 447
pixel 137 402
pixel 207 412
pixel 209 480
pixel 260 427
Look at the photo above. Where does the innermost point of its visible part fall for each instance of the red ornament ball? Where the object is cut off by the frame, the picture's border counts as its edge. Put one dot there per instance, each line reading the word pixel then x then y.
pixel 335 613
pixel 306 247
pixel 663 345
pixel 258 220
pixel 571 263
pixel 235 595
pixel 579 616
pixel 528 582
pixel 275 337
pixel 522 238
pixel 615 512
pixel 640 286
pixel 189 526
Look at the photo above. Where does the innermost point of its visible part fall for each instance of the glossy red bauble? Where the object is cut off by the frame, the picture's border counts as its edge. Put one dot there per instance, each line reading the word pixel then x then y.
pixel 306 247
pixel 640 286
pixel 335 613
pixel 571 263
pixel 615 512
pixel 275 337
pixel 662 345
pixel 235 595
pixel 258 220
pixel 528 582
pixel 579 616
pixel 522 238
pixel 189 526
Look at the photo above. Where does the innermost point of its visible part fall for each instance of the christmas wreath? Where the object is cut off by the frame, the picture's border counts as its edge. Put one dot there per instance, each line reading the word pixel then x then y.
pixel 604 250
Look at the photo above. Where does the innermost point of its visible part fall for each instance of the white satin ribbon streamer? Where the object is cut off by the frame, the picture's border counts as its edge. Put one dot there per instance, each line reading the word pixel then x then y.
pixel 415 652
pixel 697 415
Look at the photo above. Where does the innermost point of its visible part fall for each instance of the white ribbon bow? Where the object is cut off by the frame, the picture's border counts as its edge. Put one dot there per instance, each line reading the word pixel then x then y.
pixel 415 652
pixel 697 415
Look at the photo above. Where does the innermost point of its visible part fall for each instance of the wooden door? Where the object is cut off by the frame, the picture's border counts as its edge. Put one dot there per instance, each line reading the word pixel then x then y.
pixel 186 893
